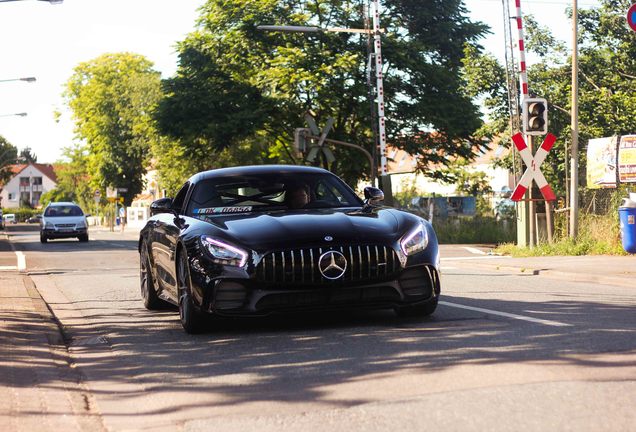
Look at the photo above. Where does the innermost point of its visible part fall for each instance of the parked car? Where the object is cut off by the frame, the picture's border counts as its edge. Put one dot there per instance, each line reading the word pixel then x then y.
pixel 9 218
pixel 259 240
pixel 34 219
pixel 63 220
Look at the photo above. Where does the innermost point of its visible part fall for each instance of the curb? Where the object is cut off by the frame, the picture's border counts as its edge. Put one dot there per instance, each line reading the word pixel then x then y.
pixel 553 274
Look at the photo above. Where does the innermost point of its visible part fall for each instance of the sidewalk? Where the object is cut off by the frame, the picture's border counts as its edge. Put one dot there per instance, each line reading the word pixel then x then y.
pixel 600 269
pixel 39 388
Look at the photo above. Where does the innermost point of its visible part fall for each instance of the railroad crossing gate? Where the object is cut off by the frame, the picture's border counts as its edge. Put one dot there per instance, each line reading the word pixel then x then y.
pixel 533 165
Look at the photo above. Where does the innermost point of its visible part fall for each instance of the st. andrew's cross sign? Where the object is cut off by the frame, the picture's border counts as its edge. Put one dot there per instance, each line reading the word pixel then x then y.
pixel 533 165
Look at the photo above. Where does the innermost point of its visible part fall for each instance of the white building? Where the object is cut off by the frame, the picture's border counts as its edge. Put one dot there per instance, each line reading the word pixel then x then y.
pixel 26 186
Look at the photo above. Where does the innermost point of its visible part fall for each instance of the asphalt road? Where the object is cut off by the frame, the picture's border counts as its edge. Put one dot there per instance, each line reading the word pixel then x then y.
pixel 503 352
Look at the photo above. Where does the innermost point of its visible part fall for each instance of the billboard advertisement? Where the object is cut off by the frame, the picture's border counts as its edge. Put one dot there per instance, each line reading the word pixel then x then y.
pixel 601 162
pixel 627 159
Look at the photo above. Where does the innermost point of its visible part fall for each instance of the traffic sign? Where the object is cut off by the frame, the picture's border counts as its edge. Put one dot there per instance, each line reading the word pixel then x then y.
pixel 533 165
pixel 631 17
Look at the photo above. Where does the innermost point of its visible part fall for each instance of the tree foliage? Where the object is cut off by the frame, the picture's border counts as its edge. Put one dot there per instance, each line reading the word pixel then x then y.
pixel 27 156
pixel 73 179
pixel 8 156
pixel 112 98
pixel 237 86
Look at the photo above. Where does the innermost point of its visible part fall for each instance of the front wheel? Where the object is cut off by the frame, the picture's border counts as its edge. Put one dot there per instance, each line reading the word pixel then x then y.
pixel 191 319
pixel 148 292
pixel 421 310
pixel 83 238
pixel 43 238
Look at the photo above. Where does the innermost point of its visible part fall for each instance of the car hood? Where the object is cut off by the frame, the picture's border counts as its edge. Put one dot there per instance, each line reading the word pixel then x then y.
pixel 311 227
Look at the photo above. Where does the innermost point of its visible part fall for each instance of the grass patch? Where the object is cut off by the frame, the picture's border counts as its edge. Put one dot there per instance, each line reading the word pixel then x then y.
pixel 598 235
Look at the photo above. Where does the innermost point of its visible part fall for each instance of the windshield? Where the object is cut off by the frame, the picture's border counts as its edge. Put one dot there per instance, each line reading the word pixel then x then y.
pixel 273 191
pixel 62 211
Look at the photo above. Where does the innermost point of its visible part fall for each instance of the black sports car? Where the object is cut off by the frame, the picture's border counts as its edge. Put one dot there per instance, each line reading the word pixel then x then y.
pixel 265 239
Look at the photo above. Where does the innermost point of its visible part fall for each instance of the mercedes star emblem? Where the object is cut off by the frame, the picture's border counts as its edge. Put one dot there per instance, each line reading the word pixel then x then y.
pixel 328 238
pixel 332 265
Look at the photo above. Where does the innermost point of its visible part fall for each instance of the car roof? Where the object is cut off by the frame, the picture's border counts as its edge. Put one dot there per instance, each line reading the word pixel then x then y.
pixel 256 169
pixel 62 203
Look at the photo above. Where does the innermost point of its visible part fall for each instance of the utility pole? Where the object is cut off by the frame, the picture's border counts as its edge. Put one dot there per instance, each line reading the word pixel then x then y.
pixel 574 170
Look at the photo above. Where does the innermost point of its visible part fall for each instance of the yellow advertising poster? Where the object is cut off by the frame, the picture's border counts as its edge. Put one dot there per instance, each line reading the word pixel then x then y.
pixel 601 162
pixel 627 159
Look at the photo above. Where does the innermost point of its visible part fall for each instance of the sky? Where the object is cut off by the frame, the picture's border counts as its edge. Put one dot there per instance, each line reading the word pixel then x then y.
pixel 47 41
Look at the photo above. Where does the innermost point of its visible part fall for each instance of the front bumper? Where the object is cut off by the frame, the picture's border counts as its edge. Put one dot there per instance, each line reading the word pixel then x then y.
pixel 249 297
pixel 67 233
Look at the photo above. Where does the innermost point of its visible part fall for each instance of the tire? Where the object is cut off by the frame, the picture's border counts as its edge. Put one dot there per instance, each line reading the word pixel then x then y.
pixel 147 284
pixel 83 238
pixel 43 238
pixel 191 319
pixel 420 310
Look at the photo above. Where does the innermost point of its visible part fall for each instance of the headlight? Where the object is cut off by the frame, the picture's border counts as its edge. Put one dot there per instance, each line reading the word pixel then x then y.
pixel 81 224
pixel 415 240
pixel 224 253
pixel 49 225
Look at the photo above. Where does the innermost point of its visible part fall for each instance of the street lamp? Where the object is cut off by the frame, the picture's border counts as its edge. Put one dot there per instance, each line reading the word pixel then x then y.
pixel 22 114
pixel 385 179
pixel 53 2
pixel 26 79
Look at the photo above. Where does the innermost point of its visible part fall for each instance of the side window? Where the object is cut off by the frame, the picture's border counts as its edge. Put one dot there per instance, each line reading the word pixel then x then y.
pixel 179 199
pixel 326 193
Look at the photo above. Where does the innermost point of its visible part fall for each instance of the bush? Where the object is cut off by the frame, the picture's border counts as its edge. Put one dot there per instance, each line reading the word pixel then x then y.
pixel 481 229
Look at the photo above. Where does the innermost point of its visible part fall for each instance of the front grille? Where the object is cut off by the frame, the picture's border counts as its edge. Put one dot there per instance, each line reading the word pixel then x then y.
pixel 300 266
pixel 65 225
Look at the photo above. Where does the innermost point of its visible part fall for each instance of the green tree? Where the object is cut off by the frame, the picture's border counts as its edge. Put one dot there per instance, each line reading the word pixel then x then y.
pixel 73 179
pixel 26 156
pixel 236 84
pixel 8 157
pixel 112 98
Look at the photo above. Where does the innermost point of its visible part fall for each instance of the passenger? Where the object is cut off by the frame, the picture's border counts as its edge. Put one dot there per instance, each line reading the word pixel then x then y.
pixel 297 195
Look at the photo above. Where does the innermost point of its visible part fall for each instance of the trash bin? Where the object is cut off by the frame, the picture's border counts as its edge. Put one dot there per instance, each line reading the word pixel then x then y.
pixel 627 216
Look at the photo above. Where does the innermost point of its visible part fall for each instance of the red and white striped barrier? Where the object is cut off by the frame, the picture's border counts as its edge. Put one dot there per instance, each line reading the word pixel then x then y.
pixel 533 165
pixel 523 76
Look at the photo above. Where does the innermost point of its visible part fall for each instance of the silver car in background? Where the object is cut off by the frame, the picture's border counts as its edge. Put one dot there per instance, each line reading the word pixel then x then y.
pixel 63 220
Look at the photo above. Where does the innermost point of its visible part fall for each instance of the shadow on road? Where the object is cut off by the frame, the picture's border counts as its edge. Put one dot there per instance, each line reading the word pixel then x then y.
pixel 296 358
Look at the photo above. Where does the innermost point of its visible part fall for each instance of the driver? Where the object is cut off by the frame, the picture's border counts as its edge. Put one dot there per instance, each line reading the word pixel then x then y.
pixel 297 196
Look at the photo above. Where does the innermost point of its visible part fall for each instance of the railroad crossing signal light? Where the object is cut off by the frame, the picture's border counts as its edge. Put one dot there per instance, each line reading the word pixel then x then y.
pixel 535 116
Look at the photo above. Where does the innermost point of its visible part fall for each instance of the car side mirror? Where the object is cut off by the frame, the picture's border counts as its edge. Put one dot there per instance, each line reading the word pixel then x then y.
pixel 163 205
pixel 373 196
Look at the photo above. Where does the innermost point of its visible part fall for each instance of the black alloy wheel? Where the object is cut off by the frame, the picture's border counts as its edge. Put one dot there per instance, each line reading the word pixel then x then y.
pixel 43 238
pixel 83 238
pixel 191 319
pixel 420 310
pixel 148 292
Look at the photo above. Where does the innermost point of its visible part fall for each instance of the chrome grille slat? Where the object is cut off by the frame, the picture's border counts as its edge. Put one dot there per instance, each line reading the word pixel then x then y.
pixel 293 267
pixel 313 264
pixel 302 265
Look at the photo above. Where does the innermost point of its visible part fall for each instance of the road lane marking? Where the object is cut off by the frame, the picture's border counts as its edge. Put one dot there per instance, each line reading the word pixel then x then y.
pixel 21 261
pixel 474 250
pixel 481 257
pixel 8 268
pixel 507 315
